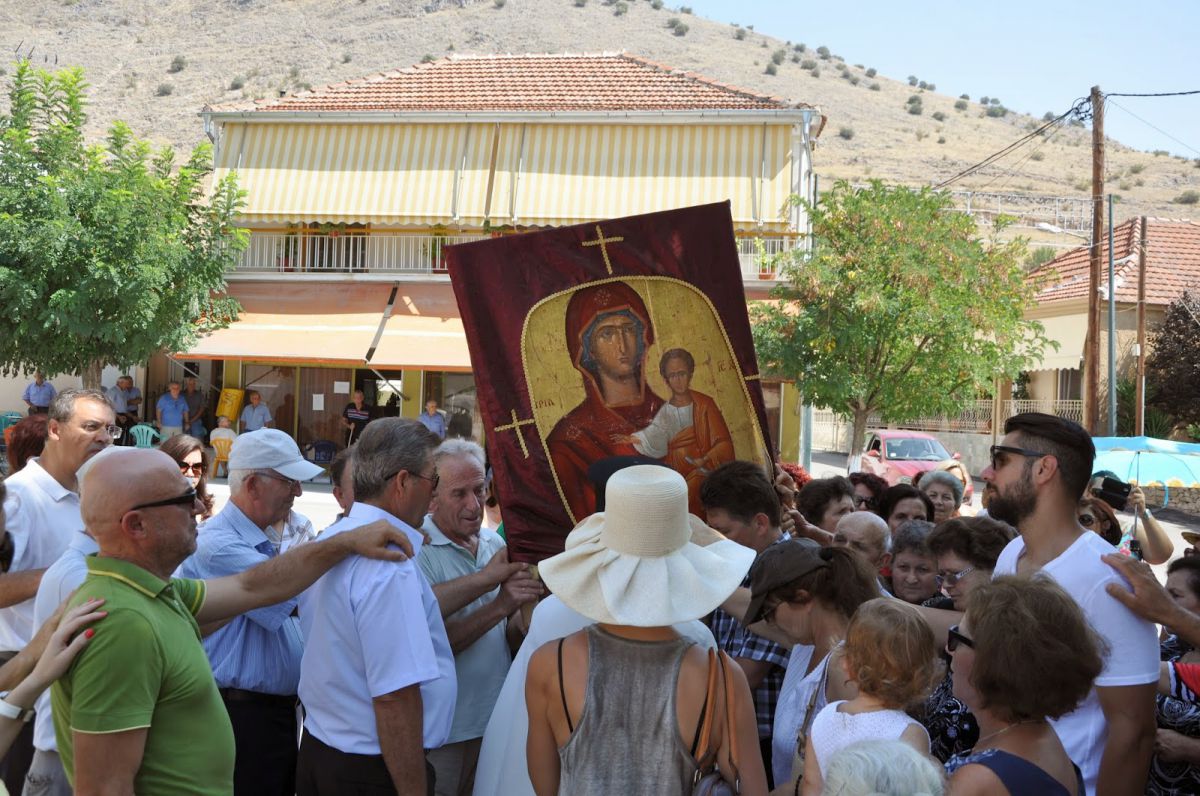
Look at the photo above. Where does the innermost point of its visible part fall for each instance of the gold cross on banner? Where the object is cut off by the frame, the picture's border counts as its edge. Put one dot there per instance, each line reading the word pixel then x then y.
pixel 515 426
pixel 601 240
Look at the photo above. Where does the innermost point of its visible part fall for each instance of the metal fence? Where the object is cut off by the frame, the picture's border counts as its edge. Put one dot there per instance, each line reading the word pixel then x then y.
pixel 281 252
pixel 1071 410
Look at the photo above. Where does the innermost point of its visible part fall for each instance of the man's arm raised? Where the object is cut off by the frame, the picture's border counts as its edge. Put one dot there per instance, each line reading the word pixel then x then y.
pixel 285 576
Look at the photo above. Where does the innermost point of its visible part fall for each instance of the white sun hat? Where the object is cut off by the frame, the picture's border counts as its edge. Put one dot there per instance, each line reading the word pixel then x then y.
pixel 271 449
pixel 644 561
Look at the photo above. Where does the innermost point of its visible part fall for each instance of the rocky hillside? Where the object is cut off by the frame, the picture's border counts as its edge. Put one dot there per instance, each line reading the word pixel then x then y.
pixel 155 64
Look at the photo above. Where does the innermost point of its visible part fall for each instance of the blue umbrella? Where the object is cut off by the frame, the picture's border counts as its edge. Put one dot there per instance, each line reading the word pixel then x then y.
pixel 1146 461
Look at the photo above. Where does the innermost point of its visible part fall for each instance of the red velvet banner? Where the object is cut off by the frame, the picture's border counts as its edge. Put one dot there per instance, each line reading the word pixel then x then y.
pixel 619 338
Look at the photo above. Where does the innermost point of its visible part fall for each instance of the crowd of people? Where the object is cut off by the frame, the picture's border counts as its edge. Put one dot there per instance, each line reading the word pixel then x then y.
pixel 807 636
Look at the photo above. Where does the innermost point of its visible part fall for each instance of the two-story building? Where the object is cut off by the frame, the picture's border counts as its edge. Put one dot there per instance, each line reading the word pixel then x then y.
pixel 354 190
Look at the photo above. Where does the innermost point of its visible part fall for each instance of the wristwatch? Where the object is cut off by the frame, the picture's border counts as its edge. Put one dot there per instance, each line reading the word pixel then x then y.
pixel 11 711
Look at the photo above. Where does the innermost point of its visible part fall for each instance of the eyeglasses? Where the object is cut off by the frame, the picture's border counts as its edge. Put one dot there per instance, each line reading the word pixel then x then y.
pixel 954 638
pixel 291 482
pixel 1087 520
pixel 433 479
pixel 186 499
pixel 113 431
pixel 864 502
pixel 950 578
pixel 768 614
pixel 194 469
pixel 997 449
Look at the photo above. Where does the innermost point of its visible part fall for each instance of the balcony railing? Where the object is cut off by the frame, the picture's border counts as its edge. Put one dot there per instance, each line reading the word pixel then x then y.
pixel 307 253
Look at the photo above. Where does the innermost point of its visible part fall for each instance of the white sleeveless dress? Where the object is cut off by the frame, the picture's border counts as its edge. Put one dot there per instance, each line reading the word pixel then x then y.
pixel 833 730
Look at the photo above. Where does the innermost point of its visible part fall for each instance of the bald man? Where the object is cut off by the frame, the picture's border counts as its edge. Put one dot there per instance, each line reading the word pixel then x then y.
pixel 140 711
pixel 866 533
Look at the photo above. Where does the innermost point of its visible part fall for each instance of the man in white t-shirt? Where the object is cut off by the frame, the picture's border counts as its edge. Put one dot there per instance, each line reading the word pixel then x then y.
pixel 1038 474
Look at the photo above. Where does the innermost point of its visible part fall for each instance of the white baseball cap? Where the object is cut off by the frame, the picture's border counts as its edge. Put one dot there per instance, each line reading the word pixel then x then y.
pixel 271 449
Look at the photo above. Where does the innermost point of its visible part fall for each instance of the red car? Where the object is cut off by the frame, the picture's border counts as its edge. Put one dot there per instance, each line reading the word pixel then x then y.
pixel 897 456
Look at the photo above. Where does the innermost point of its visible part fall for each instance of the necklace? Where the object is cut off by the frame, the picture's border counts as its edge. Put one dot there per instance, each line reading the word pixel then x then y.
pixel 1002 730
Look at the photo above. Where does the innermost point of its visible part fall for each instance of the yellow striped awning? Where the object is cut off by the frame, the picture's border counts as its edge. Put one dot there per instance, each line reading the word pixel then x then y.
pixel 525 174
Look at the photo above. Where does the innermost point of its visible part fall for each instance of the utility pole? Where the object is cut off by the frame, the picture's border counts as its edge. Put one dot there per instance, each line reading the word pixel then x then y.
pixel 1091 359
pixel 1139 423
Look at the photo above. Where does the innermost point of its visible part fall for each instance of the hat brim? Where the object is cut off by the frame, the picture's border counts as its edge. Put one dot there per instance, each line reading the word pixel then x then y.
pixel 1191 537
pixel 621 589
pixel 299 471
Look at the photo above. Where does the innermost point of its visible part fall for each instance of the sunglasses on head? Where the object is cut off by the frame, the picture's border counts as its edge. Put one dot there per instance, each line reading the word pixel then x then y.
pixel 954 638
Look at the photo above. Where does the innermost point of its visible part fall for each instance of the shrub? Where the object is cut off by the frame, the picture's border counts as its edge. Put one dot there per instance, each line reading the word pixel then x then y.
pixel 681 29
pixel 346 58
pixel 1158 153
pixel 739 34
pixel 1037 155
pixel 1049 116
pixel 964 96
pixel 800 48
pixel 621 8
pixel 1137 168
pixel 656 4
pixel 853 80
pixel 304 86
pixel 177 64
pixel 815 73
pixel 427 58
pixel 499 3
pixel 939 116
pixel 922 85
pixel 808 63
pixel 922 135
pixel 983 100
pixel 997 111
pixel 1187 198
pixel 1125 185
pixel 912 80
pixel 931 87
pixel 795 58
pixel 846 133
pixel 915 108
pixel 685 9
pixel 771 68
pixel 778 56
pixel 1040 256
pixel 823 52
pixel 237 83
pixel 941 139
pixel 1139 182
pixel 914 98
pixel 164 89
pixel 875 87
pixel 995 100
pixel 960 105
pixel 871 72
pixel 673 21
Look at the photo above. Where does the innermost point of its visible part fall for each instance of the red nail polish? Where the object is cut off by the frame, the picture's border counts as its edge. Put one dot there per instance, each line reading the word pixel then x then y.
pixel 91 631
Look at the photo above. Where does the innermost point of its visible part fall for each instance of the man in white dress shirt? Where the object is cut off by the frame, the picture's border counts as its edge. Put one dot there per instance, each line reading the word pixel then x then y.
pixel 377 678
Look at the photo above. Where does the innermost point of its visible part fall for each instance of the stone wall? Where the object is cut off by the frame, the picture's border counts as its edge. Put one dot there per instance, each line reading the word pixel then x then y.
pixel 1180 499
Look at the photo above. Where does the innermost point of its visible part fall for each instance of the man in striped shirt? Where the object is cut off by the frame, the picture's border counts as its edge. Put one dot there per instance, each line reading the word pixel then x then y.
pixel 256 657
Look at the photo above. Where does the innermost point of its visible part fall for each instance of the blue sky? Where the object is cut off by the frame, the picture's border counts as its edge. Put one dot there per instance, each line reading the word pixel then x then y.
pixel 1035 56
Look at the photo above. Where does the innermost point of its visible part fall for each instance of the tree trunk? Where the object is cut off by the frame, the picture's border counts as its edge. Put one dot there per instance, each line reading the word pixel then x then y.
pixel 91 374
pixel 857 438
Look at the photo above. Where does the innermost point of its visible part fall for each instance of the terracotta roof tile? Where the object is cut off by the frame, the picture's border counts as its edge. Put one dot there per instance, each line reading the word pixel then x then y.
pixel 1172 263
pixel 609 82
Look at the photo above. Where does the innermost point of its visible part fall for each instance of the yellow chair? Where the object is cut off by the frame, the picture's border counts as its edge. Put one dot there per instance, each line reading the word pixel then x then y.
pixel 221 448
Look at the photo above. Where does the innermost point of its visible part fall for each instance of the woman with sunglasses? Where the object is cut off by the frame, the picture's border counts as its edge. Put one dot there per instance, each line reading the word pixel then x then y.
pixel 1023 654
pixel 192 457
pixel 966 549
pixel 868 490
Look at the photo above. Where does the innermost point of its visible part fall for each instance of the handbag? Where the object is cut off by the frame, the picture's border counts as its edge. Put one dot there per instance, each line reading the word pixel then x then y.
pixel 803 729
pixel 709 780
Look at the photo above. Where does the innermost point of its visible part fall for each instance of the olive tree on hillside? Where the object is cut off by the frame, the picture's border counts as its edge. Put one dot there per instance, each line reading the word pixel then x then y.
pixel 901 309
pixel 1173 367
pixel 109 253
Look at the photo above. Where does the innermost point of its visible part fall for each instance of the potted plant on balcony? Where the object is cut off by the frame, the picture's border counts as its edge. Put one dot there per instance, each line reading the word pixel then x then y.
pixel 285 250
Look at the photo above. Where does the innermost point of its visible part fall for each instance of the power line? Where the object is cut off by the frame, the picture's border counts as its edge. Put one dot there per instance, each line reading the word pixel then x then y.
pixel 1148 124
pixel 1079 109
pixel 1165 94
pixel 1011 173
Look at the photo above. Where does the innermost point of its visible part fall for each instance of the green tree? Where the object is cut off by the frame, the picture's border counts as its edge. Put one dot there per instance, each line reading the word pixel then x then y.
pixel 900 309
pixel 1173 366
pixel 108 254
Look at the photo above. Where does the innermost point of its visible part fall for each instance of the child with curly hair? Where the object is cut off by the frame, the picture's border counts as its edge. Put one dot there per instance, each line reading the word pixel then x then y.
pixel 890 654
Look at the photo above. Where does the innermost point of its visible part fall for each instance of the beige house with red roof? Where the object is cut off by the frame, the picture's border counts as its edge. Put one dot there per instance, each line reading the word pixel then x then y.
pixel 354 189
pixel 1170 255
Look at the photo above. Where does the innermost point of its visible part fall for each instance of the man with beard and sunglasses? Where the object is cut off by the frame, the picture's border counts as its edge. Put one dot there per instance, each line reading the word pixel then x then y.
pixel 1038 474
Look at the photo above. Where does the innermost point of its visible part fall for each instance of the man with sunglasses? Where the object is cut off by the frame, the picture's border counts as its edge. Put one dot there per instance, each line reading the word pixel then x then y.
pixel 377 679
pixel 256 657
pixel 42 512
pixel 1038 474
pixel 140 711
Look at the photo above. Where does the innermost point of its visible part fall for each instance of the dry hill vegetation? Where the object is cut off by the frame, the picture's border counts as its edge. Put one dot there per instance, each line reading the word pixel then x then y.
pixel 155 64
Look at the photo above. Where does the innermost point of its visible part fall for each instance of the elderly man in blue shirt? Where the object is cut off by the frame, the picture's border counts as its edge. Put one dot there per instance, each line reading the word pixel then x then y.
pixel 433 420
pixel 171 411
pixel 256 657
pixel 38 394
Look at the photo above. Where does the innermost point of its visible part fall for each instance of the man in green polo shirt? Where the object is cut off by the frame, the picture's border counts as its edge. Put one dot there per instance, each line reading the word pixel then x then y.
pixel 139 711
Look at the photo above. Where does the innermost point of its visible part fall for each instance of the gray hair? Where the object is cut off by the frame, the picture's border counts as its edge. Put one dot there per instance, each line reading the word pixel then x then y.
pixel 913 537
pixel 63 406
pixel 946 479
pixel 460 447
pixel 237 480
pixel 387 446
pixel 882 768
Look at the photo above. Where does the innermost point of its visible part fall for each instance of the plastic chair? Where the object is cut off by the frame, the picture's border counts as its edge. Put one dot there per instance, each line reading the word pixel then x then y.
pixel 321 452
pixel 145 435
pixel 10 419
pixel 221 448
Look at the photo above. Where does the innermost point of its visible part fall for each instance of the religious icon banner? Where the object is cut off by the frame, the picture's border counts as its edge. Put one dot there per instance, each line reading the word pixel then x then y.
pixel 627 337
